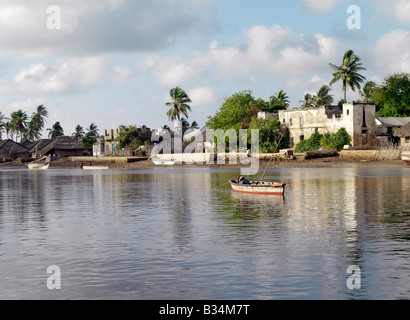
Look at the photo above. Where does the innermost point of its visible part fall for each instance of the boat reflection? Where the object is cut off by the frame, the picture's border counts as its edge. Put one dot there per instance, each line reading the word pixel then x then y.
pixel 251 198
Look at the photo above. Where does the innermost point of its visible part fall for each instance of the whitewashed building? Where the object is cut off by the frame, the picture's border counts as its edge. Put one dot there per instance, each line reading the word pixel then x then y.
pixel 357 118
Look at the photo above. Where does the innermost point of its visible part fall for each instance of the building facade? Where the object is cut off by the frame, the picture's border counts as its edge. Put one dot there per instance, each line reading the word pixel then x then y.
pixel 357 119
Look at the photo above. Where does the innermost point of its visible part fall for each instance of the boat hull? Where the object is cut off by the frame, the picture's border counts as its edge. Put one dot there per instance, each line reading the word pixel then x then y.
pixel 95 168
pixel 38 166
pixel 266 188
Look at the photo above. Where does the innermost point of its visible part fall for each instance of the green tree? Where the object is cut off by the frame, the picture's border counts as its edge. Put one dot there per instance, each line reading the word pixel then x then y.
pixel 55 131
pixel 307 101
pixel 235 113
pixel 367 91
pixel 79 132
pixel 272 136
pixel 392 98
pixel 279 101
pixel 322 97
pixel 179 105
pixel 87 142
pixel 37 122
pixel 348 72
pixel 336 141
pixel 92 130
pixel 133 137
pixel 18 121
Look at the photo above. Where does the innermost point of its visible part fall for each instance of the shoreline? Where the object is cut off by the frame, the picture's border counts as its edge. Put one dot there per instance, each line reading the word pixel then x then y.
pixel 330 162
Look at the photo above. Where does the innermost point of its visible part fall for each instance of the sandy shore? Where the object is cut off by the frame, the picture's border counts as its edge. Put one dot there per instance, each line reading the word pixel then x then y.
pixel 331 162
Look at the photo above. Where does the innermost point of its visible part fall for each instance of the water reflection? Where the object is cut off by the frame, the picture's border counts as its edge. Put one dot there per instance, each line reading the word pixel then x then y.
pixel 177 233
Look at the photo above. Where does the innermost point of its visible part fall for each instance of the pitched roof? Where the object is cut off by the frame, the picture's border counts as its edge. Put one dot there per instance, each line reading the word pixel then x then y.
pixel 393 121
pixel 40 144
pixel 28 144
pixel 62 143
pixel 403 132
pixel 11 146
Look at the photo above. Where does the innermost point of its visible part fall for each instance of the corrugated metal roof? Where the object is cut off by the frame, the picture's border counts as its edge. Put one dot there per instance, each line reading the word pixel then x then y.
pixel 394 121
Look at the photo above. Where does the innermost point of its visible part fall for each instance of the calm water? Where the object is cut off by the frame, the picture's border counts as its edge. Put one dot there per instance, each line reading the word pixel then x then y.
pixel 173 234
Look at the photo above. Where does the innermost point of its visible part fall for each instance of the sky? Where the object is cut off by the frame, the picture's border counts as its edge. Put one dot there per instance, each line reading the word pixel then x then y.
pixel 113 62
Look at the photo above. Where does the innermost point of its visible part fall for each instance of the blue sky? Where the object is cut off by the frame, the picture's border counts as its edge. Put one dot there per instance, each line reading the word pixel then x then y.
pixel 113 62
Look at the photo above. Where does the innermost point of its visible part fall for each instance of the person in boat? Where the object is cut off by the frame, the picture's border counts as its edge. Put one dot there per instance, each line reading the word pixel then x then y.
pixel 243 180
pixel 81 164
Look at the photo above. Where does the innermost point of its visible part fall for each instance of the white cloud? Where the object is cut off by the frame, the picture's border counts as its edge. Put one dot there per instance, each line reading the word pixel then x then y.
pixel 315 79
pixel 121 74
pixel 172 71
pixel 399 9
pixel 202 96
pixel 391 53
pixel 100 26
pixel 272 51
pixel 64 75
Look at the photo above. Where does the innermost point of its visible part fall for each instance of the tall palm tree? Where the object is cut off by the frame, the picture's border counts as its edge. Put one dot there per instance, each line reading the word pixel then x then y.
pixel 322 97
pixel 55 131
pixel 307 101
pixel 279 101
pixel 8 127
pixel 92 130
pixel 3 122
pixel 179 105
pixel 79 132
pixel 348 72
pixel 368 89
pixel 18 121
pixel 38 119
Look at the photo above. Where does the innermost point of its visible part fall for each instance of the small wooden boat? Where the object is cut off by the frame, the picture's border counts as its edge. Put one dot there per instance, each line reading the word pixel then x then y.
pixel 41 163
pixel 264 187
pixel 94 167
pixel 38 165
pixel 405 156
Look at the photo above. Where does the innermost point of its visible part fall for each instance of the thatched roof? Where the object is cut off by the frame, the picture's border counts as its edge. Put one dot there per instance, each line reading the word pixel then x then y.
pixel 28 144
pixel 403 132
pixel 11 146
pixel 40 144
pixel 62 143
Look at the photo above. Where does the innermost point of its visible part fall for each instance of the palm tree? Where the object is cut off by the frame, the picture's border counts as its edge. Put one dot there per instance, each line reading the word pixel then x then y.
pixel 348 72
pixel 55 131
pixel 279 101
pixel 38 119
pixel 307 101
pixel 79 132
pixel 92 130
pixel 322 97
pixel 165 127
pixel 179 105
pixel 367 91
pixel 194 125
pixel 18 121
pixel 3 122
pixel 9 130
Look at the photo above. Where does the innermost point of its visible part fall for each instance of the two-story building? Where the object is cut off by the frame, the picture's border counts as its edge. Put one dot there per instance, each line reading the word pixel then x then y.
pixel 357 118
